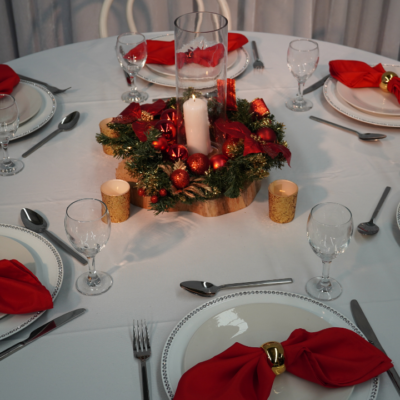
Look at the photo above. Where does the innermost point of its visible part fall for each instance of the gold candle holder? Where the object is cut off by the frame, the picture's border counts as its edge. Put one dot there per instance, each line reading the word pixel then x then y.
pixel 116 195
pixel 282 201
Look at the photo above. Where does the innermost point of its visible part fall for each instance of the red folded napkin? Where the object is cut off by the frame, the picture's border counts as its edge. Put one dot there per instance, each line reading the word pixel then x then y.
pixel 357 74
pixel 333 357
pixel 159 52
pixel 8 79
pixel 20 291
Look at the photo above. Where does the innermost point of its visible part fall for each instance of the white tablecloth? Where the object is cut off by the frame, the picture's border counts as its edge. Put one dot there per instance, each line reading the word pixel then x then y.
pixel 148 256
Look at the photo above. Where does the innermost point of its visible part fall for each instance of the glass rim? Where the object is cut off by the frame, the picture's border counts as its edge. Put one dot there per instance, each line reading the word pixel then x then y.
pixel 201 12
pixel 9 96
pixel 90 220
pixel 304 40
pixel 131 33
pixel 338 204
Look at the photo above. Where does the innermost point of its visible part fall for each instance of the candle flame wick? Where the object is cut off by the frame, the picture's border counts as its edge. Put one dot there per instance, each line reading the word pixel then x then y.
pixel 194 97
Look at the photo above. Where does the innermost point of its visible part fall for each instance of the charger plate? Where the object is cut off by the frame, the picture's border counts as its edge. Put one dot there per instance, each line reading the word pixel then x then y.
pixel 178 349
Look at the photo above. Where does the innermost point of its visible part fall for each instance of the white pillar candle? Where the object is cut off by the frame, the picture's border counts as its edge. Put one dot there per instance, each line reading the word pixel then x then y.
pixel 197 126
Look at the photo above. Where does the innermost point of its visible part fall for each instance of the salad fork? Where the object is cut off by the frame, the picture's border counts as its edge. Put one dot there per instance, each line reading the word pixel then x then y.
pixel 258 64
pixel 52 89
pixel 142 351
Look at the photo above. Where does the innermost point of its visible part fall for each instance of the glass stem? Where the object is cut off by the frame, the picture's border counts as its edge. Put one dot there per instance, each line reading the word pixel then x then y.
pixel 6 157
pixel 92 279
pixel 133 82
pixel 325 283
pixel 300 91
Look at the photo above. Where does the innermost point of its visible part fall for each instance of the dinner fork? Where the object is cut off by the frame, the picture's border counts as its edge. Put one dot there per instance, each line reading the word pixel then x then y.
pixel 142 351
pixel 258 64
pixel 52 89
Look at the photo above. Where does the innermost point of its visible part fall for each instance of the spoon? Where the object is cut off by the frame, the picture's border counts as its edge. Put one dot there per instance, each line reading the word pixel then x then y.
pixel 369 228
pixel 363 136
pixel 35 222
pixel 66 124
pixel 207 289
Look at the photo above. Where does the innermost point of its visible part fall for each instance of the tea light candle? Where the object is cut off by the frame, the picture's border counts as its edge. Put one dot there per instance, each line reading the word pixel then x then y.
pixel 282 201
pixel 197 126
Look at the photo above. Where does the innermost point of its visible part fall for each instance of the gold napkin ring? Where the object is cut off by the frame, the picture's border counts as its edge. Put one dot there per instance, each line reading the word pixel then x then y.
pixel 385 78
pixel 275 354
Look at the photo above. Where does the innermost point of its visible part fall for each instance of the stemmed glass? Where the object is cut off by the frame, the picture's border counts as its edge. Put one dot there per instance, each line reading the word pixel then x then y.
pixel 9 122
pixel 131 51
pixel 329 230
pixel 302 60
pixel 88 226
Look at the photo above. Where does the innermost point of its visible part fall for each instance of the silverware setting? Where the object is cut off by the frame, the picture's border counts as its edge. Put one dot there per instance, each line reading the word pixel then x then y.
pixel 43 330
pixel 52 89
pixel 362 322
pixel 316 85
pixel 208 289
pixel 142 351
pixel 362 136
pixel 369 228
pixel 34 221
pixel 258 64
pixel 66 124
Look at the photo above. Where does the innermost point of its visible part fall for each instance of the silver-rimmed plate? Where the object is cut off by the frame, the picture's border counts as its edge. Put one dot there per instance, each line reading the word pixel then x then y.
pixel 48 269
pixel 339 104
pixel 173 356
pixel 43 116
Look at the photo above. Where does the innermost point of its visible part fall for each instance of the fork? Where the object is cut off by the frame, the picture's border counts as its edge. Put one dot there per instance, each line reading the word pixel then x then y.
pixel 258 64
pixel 52 89
pixel 142 351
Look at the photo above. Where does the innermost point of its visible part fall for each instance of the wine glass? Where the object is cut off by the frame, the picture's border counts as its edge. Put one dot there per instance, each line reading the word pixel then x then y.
pixel 131 51
pixel 302 60
pixel 329 230
pixel 88 226
pixel 9 122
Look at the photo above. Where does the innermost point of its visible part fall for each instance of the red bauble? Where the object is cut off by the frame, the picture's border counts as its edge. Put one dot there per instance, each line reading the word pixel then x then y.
pixel 163 192
pixel 227 147
pixel 141 192
pixel 180 178
pixel 167 129
pixel 160 144
pixel 198 163
pixel 178 152
pixel 154 199
pixel 169 114
pixel 267 134
pixel 218 161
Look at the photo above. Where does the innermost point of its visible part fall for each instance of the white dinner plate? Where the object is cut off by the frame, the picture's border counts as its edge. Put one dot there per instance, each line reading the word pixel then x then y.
pixel 336 101
pixel 372 100
pixel 238 67
pixel 29 101
pixel 43 116
pixel 169 70
pixel 173 356
pixel 10 249
pixel 48 269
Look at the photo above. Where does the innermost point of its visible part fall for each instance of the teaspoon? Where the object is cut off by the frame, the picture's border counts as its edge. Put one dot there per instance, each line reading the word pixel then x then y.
pixel 66 124
pixel 369 228
pixel 35 222
pixel 207 289
pixel 363 136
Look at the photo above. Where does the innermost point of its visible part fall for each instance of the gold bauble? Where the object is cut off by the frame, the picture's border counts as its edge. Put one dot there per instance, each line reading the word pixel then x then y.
pixel 385 78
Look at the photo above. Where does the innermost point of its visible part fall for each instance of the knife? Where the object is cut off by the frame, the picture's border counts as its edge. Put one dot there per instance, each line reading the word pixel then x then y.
pixel 43 330
pixel 316 85
pixel 365 327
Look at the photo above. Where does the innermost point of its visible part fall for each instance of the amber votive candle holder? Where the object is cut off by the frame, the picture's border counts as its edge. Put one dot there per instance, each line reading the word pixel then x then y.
pixel 282 201
pixel 116 195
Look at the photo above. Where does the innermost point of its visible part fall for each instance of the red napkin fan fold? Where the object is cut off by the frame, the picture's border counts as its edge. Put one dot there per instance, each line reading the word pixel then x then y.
pixel 20 290
pixel 8 79
pixel 334 357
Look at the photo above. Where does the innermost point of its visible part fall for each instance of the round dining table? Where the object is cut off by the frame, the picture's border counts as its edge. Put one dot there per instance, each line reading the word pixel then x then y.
pixel 149 255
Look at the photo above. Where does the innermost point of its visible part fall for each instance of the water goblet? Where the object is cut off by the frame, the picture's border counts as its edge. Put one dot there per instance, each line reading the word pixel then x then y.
pixel 88 226
pixel 302 60
pixel 131 49
pixel 9 122
pixel 329 230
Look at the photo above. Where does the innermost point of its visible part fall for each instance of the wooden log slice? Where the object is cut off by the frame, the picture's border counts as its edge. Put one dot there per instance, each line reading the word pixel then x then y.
pixel 209 208
pixel 108 132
